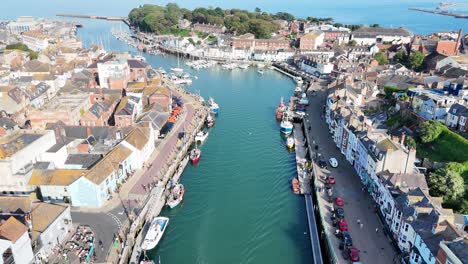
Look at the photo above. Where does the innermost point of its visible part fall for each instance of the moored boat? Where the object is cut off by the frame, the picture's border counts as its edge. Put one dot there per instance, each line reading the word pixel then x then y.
pixel 290 142
pixel 176 196
pixel 178 70
pixel 201 136
pixel 213 106
pixel 295 186
pixel 155 232
pixel 195 155
pixel 260 72
pixel 210 120
pixel 286 126
pixel 280 110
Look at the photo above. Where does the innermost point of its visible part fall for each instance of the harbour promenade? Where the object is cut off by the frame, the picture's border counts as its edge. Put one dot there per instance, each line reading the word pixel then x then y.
pixel 301 154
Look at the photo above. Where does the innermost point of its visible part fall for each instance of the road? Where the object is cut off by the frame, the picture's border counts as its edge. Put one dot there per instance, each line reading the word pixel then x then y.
pixel 374 246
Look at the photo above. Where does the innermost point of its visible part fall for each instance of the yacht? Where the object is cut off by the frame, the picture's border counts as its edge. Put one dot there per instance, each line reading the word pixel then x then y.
pixel 201 136
pixel 155 233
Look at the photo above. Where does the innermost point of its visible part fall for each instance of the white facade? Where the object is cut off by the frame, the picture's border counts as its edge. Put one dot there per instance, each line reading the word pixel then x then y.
pixel 21 249
pixel 35 43
pixel 112 70
pixel 16 168
pixel 321 67
pixel 55 233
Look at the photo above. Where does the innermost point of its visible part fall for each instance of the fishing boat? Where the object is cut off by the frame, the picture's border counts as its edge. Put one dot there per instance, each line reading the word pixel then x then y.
pixel 210 120
pixel 298 90
pixel 295 186
pixel 290 142
pixel 201 136
pixel 286 125
pixel 176 196
pixel 213 106
pixel 195 155
pixel 155 233
pixel 280 110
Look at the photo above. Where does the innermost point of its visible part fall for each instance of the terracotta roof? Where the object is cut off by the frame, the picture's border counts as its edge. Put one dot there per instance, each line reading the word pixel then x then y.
pixel 12 229
pixel 447 47
pixel 139 137
pixel 43 215
pixel 58 177
pixel 108 164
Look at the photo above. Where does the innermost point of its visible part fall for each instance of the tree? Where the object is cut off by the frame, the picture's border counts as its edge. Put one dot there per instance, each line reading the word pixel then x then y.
pixel 375 25
pixel 416 60
pixel 429 131
pixel 284 16
pixel 352 43
pixel 258 10
pixel 381 58
pixel 401 57
pixel 410 142
pixel 446 183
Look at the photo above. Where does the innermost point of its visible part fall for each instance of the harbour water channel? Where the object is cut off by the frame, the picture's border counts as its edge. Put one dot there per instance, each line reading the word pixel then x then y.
pixel 238 207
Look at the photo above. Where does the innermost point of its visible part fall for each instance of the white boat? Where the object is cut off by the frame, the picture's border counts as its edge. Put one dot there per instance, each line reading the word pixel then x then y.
pixel 260 72
pixel 298 80
pixel 298 89
pixel 178 70
pixel 155 232
pixel 141 58
pixel 260 65
pixel 290 142
pixel 243 66
pixel 201 136
pixel 176 196
pixel 213 106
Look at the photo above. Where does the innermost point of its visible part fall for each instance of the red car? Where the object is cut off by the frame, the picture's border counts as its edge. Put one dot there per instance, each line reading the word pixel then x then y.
pixel 339 201
pixel 353 254
pixel 331 180
pixel 343 225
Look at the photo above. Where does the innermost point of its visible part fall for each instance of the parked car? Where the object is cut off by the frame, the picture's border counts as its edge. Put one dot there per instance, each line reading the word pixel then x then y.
pixel 333 162
pixel 340 212
pixel 346 240
pixel 339 201
pixel 353 254
pixel 322 164
pixel 343 225
pixel 331 180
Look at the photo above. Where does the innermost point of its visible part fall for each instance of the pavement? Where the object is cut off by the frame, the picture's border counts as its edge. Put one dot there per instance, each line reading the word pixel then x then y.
pixel 374 246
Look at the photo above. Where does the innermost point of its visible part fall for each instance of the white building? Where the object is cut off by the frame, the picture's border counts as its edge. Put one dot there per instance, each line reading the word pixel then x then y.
pixel 19 151
pixel 371 35
pixel 316 65
pixel 22 24
pixel 112 71
pixel 35 40
pixel 50 225
pixel 15 244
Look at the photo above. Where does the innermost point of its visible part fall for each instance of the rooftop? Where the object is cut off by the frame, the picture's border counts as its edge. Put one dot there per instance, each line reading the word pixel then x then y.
pixel 43 215
pixel 17 141
pixel 85 160
pixel 365 32
pixel 59 177
pixel 12 229
pixel 459 248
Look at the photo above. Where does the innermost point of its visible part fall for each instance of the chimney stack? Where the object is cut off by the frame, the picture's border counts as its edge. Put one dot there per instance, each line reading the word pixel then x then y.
pixel 403 136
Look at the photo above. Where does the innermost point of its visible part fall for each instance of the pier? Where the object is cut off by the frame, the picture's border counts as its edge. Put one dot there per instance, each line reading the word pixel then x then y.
pixel 439 12
pixel 108 18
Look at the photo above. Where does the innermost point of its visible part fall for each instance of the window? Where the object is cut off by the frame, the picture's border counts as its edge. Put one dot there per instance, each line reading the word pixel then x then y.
pixel 406 227
pixel 416 258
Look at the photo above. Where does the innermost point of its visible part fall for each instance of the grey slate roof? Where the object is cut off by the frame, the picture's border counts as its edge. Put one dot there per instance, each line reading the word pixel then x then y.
pixel 85 160
pixel 372 32
pixel 459 110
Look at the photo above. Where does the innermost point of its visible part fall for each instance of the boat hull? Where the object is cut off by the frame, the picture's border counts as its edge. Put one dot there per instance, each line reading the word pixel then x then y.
pixel 195 160
pixel 152 239
pixel 286 130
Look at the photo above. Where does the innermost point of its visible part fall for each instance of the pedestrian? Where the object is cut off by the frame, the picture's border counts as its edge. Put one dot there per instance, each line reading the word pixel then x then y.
pixel 376 230
pixel 361 225
pixel 358 221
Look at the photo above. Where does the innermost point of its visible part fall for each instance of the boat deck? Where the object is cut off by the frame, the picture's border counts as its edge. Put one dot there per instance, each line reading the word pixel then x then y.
pixel 303 172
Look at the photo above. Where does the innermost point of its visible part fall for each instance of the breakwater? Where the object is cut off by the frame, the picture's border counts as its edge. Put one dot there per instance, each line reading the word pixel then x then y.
pixel 440 12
